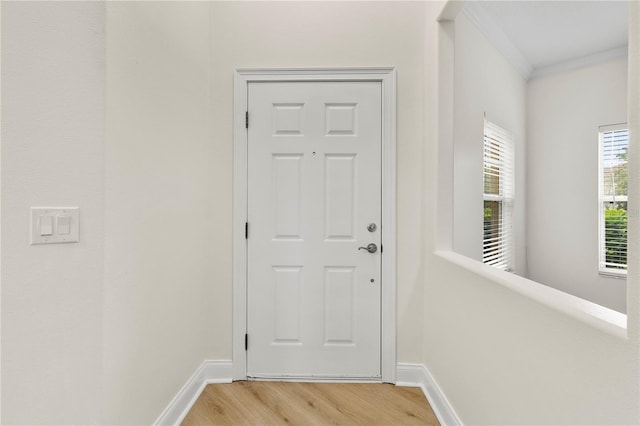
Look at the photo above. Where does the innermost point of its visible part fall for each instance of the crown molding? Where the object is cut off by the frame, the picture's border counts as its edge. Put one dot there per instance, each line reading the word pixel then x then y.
pixel 582 62
pixel 492 31
pixel 487 26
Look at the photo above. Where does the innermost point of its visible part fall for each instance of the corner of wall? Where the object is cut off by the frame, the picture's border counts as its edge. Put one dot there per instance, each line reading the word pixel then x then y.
pixel 209 372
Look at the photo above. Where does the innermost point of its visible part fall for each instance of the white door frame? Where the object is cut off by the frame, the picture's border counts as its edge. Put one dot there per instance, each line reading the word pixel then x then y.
pixel 387 77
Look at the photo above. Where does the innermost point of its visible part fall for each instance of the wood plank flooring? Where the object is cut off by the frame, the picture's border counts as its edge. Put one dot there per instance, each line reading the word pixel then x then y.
pixel 294 403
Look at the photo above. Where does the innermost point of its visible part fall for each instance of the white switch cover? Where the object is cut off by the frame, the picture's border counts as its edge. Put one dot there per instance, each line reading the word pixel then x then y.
pixel 55 225
pixel 63 224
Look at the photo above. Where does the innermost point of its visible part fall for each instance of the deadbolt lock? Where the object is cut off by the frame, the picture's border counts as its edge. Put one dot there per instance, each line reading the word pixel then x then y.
pixel 372 227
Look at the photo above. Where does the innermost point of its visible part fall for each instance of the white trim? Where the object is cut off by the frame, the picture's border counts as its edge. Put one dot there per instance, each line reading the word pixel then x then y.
pixel 417 375
pixel 483 21
pixel 387 77
pixel 445 130
pixel 492 31
pixel 1 186
pixel 208 372
pixel 613 127
pixel 598 316
pixel 315 379
pixel 582 62
pixel 499 152
pixel 240 185
pixel 608 146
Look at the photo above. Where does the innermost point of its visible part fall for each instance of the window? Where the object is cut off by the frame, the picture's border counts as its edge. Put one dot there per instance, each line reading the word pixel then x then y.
pixel 614 141
pixel 497 242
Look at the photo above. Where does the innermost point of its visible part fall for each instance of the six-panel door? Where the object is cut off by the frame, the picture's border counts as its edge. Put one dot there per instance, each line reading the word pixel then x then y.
pixel 314 297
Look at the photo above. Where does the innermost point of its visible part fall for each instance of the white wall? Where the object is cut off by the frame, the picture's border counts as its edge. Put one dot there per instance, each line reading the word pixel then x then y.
pixel 168 193
pixel 485 83
pixel 325 34
pixel 164 207
pixel 563 115
pixel 501 357
pixel 52 155
pixel 107 330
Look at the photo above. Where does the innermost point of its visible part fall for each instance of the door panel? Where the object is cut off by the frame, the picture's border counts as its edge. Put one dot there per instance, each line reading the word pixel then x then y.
pixel 340 200
pixel 314 175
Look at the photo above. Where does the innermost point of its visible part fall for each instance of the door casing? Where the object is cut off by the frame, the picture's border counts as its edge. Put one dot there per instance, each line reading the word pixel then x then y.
pixel 387 77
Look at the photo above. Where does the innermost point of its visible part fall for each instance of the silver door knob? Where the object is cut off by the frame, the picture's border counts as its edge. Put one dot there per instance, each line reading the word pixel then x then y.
pixel 371 248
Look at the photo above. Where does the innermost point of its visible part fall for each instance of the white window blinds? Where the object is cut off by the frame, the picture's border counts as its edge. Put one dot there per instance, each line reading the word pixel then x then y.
pixel 497 243
pixel 614 142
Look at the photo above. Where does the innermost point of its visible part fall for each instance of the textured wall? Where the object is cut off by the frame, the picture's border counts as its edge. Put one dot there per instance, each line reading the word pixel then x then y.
pixel 52 155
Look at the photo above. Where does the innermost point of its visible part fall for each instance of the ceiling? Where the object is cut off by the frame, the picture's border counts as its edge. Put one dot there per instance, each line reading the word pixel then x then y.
pixel 547 33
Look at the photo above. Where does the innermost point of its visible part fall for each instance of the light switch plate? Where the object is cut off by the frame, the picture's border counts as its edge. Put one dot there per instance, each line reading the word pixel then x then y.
pixel 65 219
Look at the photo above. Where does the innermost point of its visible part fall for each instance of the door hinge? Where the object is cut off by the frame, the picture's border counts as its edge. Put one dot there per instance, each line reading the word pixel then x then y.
pixel 381 248
pixel 246 230
pixel 246 342
pixel 246 119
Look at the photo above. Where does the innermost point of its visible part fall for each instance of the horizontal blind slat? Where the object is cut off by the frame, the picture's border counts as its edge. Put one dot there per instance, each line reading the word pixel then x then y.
pixel 613 143
pixel 498 169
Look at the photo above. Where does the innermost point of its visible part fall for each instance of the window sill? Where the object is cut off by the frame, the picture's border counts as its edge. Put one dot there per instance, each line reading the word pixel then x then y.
pixel 612 274
pixel 600 317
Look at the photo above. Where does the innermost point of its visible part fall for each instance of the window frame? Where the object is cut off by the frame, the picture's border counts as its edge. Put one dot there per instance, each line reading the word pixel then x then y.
pixel 497 140
pixel 603 199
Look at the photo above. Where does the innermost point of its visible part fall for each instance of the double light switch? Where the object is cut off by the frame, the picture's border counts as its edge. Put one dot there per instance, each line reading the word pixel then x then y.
pixel 52 225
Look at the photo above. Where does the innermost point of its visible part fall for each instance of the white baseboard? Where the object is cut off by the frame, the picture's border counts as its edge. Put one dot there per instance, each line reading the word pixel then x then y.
pixel 208 372
pixel 417 375
pixel 413 375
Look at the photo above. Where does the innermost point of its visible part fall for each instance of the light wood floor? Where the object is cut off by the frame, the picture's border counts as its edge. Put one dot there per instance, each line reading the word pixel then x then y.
pixel 288 403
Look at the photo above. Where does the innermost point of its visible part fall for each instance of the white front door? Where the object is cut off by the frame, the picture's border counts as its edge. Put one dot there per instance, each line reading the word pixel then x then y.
pixel 314 203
